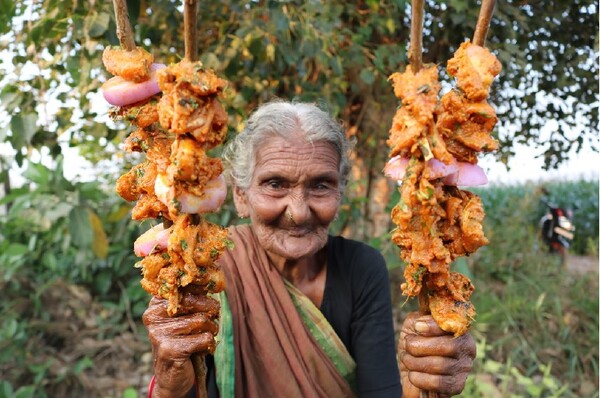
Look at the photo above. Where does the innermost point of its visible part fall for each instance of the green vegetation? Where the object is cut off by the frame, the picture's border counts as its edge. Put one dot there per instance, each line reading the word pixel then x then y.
pixel 72 303
pixel 537 319
pixel 71 300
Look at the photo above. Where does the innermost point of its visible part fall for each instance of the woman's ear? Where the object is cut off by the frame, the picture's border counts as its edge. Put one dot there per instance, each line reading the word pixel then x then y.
pixel 240 202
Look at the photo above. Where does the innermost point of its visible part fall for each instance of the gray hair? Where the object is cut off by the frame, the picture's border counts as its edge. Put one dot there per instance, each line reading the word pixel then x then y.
pixel 283 119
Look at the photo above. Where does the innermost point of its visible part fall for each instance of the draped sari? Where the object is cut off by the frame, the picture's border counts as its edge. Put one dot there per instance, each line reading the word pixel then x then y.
pixel 273 341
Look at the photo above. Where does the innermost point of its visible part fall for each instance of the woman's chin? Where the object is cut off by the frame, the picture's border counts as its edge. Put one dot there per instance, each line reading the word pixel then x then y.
pixel 295 248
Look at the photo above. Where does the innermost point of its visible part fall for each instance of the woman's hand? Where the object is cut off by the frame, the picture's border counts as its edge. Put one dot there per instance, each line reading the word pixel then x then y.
pixel 431 359
pixel 175 339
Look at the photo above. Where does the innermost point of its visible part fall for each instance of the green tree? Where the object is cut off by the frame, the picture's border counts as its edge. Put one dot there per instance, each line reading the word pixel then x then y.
pixel 334 51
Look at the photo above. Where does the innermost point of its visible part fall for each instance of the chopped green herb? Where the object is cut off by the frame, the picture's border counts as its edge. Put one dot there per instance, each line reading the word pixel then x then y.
pixel 416 276
pixel 229 244
pixel 184 244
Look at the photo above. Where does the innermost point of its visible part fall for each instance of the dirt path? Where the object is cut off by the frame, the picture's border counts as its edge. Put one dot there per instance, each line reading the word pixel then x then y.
pixel 582 264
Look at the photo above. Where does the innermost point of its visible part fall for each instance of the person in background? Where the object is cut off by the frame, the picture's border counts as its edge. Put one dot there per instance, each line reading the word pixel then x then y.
pixel 304 313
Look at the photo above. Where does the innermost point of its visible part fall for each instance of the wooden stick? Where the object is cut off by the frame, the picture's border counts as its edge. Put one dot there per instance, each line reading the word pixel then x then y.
pixel 415 53
pixel 124 31
pixel 415 57
pixel 483 22
pixel 190 19
pixel 200 371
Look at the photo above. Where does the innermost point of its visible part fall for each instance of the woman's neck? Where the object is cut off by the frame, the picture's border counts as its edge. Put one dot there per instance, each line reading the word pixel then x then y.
pixel 306 274
pixel 307 268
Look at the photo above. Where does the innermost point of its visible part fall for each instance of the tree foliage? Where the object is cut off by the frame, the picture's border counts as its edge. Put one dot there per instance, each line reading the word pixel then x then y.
pixel 340 53
pixel 335 52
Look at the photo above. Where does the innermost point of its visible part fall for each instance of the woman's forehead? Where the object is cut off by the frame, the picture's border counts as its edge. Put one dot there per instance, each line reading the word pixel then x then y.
pixel 280 153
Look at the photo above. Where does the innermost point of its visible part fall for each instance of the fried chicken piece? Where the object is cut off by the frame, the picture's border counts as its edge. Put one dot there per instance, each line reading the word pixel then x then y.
pixel 450 306
pixel 131 65
pixel 405 133
pixel 467 123
pixel 149 206
pixel 155 142
pixel 474 68
pixel 138 185
pixel 141 114
pixel 189 163
pixel 190 76
pixel 137 181
pixel 189 260
pixel 418 92
pixel 417 215
pixel 193 249
pixel 181 112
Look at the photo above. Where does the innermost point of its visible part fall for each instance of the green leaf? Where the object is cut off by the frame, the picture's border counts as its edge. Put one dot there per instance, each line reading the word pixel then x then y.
pixel 130 392
pixel 8 12
pixel 10 99
pixel 97 24
pixel 16 250
pixel 38 173
pixel 79 227
pixel 23 129
pixel 367 76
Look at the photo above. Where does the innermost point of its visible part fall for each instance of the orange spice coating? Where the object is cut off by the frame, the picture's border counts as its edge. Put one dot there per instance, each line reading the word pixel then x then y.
pixel 437 223
pixel 131 65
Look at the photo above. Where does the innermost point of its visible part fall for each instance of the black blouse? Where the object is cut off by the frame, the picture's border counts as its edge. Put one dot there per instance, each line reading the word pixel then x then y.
pixel 357 303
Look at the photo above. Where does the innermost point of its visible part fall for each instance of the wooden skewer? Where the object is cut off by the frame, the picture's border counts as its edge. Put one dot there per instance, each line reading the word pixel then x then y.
pixel 190 19
pixel 124 31
pixel 415 57
pixel 483 22
pixel 415 53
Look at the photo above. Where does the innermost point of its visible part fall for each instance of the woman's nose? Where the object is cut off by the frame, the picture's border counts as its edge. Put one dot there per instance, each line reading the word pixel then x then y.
pixel 298 210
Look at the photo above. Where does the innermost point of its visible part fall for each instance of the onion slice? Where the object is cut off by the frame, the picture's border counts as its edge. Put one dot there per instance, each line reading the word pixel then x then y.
pixel 120 92
pixel 154 239
pixel 456 174
pixel 211 200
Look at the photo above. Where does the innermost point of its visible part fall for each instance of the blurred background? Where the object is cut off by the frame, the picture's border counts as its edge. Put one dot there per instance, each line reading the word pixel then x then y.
pixel 71 304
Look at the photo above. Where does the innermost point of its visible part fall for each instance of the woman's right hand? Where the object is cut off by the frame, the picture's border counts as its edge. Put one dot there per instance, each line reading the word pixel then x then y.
pixel 175 339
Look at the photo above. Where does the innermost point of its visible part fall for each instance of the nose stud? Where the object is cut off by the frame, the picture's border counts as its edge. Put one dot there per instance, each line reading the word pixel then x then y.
pixel 289 216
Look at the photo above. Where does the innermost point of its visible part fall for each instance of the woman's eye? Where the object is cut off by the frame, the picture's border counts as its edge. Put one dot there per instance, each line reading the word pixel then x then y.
pixel 323 187
pixel 274 184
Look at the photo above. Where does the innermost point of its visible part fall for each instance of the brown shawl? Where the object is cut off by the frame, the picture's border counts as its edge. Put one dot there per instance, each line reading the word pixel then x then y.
pixel 275 354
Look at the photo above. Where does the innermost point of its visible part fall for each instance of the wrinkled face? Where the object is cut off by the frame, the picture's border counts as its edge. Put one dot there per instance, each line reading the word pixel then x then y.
pixel 293 196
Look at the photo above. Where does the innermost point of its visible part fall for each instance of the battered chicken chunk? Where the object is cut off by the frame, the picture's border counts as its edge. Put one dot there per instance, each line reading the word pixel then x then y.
pixel 194 247
pixel 475 68
pixel 437 223
pixel 131 65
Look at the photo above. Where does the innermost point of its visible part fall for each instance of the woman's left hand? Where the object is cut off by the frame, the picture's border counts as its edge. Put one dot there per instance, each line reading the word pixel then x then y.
pixel 432 359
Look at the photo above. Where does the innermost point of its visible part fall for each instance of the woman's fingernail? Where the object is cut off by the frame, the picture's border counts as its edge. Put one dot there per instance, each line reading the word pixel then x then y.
pixel 421 327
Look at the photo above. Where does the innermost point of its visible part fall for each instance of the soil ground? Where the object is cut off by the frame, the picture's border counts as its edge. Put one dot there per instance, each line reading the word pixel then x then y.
pixel 125 362
pixel 581 264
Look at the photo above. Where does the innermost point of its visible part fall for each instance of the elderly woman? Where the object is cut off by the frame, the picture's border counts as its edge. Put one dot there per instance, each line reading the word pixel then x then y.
pixel 304 314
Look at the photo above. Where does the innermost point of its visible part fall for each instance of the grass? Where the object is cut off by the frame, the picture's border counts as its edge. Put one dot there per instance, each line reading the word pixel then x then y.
pixel 537 324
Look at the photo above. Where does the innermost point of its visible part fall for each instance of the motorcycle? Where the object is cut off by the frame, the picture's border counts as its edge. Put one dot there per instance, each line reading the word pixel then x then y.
pixel 557 228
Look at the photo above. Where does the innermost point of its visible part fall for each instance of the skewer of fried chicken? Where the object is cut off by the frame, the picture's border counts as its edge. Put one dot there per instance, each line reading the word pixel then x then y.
pixel 435 145
pixel 177 182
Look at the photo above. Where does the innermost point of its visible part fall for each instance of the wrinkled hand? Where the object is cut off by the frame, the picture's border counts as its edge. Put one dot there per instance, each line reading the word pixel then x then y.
pixel 431 359
pixel 175 339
